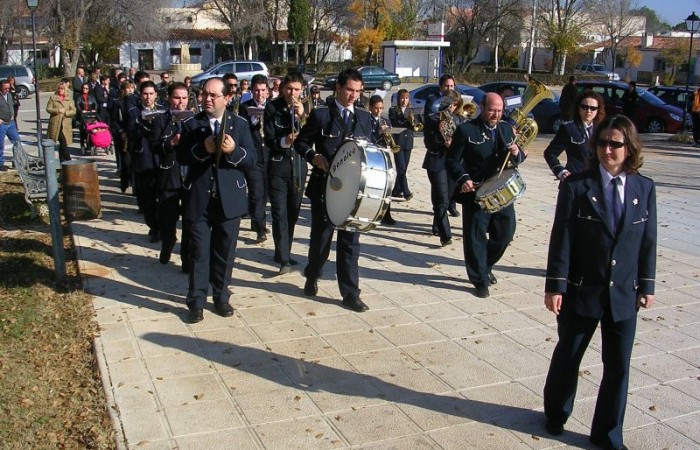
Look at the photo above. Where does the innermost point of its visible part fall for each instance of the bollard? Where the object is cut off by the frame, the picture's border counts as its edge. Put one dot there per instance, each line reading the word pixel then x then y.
pixel 50 168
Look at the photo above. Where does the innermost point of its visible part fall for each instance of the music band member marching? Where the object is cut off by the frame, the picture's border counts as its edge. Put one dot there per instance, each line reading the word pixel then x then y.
pixel 287 169
pixel 216 146
pixel 477 151
pixel 324 132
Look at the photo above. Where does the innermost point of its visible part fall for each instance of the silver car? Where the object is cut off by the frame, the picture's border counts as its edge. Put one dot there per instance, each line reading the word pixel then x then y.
pixel 24 79
pixel 597 69
pixel 244 70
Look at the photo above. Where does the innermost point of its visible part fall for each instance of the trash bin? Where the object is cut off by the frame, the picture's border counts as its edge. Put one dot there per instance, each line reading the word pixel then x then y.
pixel 81 189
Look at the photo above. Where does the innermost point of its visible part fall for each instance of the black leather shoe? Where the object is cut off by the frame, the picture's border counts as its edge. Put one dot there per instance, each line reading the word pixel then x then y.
pixel 607 446
pixel 293 262
pixel 482 292
pixel 408 197
pixel 453 212
pixel 554 428
pixel 311 287
pixel 224 309
pixel 445 242
pixel 492 278
pixel 262 237
pixel 285 268
pixel 164 257
pixel 195 315
pixel 355 304
pixel 435 232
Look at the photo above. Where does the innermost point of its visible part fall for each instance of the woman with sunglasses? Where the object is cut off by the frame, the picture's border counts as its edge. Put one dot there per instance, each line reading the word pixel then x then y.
pixel 574 137
pixel 600 271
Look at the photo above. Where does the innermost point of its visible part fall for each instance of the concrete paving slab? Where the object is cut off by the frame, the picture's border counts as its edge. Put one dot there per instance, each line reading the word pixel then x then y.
pixel 429 366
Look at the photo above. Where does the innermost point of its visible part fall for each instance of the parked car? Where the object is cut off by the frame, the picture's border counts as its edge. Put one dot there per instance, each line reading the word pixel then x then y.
pixel 244 70
pixel 419 96
pixel 674 95
pixel 597 69
pixel 373 77
pixel 652 114
pixel 24 79
pixel 546 112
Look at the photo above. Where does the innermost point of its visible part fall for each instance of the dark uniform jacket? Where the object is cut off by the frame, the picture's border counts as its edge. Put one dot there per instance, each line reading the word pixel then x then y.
pixel 572 139
pixel 256 132
pixel 397 119
pixel 278 124
pixel 162 131
pixel 325 131
pixel 432 138
pixel 204 177
pixel 588 262
pixel 138 133
pixel 475 156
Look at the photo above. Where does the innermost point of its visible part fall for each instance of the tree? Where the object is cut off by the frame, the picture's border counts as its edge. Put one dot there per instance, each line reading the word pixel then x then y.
pixel 563 29
pixel 242 18
pixel 615 21
pixel 655 25
pixel 470 22
pixel 372 19
pixel 299 24
pixel 675 56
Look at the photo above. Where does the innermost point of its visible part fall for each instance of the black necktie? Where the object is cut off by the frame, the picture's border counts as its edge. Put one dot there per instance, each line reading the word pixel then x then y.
pixel 617 202
pixel 346 117
pixel 217 127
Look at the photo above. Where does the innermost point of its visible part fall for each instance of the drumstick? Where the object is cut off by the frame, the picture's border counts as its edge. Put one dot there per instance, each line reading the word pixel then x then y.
pixel 500 134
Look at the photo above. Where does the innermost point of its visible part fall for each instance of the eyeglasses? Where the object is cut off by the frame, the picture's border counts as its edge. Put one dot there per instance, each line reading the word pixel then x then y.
pixel 211 96
pixel 588 107
pixel 602 143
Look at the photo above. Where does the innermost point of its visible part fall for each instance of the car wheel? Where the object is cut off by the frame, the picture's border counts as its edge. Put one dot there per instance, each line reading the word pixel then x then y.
pixel 557 121
pixel 655 126
pixel 386 85
pixel 22 92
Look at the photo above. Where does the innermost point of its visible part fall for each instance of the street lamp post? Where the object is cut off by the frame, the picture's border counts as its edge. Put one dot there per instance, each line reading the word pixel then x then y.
pixel 129 27
pixel 59 259
pixel 691 23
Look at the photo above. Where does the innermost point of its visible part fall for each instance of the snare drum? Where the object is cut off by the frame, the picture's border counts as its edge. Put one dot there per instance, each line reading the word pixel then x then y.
pixel 498 192
pixel 358 189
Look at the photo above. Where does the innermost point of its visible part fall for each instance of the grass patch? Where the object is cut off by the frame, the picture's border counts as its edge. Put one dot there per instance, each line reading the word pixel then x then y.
pixel 51 395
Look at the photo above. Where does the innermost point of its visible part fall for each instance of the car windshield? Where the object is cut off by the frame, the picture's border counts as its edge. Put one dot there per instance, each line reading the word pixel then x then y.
pixel 649 97
pixel 599 68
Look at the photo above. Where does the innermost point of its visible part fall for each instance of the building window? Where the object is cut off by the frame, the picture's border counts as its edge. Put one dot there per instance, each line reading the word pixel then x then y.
pixel 190 19
pixel 659 65
pixel 195 51
pixel 174 51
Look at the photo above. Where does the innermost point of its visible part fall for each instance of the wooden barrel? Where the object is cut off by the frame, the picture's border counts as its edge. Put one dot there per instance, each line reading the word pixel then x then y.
pixel 81 190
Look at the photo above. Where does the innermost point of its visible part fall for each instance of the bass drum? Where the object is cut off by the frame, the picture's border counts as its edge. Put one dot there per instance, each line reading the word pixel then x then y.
pixel 359 184
pixel 498 192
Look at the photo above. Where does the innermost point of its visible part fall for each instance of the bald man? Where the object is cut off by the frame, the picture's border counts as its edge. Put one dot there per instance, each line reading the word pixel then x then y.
pixel 477 152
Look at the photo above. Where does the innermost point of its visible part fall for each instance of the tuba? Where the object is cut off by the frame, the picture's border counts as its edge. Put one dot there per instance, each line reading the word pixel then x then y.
pixel 526 127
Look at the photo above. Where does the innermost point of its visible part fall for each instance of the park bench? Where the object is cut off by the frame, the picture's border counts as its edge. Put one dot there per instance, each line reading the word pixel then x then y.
pixel 32 172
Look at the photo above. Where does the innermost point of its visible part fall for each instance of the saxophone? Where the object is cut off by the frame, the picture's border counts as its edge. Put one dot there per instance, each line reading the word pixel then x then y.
pixel 416 125
pixel 385 130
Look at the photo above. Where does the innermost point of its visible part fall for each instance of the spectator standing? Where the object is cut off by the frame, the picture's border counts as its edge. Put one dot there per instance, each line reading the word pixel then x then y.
pixel 566 101
pixel 7 120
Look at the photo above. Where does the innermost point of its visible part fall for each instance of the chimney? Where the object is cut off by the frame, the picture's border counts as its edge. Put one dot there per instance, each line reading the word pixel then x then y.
pixel 647 40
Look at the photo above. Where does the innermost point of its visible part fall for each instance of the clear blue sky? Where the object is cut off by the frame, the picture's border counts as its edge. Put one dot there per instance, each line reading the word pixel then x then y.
pixel 673 11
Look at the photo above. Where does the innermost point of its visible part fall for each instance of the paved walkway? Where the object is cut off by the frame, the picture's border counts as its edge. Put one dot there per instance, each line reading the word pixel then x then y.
pixel 429 366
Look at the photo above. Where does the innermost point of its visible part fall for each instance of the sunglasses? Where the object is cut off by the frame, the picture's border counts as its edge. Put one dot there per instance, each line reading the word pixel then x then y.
pixel 602 143
pixel 588 108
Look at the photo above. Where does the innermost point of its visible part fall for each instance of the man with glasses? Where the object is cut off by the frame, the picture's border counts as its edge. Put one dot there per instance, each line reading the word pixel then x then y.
pixel 163 86
pixel 231 81
pixel 217 147
pixel 476 154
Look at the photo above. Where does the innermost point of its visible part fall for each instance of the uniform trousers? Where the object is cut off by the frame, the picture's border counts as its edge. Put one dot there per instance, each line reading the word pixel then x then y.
pixel 285 202
pixel 147 197
pixel 575 334
pixel 257 198
pixel 481 252
pixel 168 215
pixel 212 251
pixel 440 198
pixel 347 251
pixel 401 186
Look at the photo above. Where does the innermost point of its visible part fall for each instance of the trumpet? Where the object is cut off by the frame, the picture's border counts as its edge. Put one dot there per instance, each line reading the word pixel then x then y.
pixel 416 125
pixel 385 130
pixel 301 119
